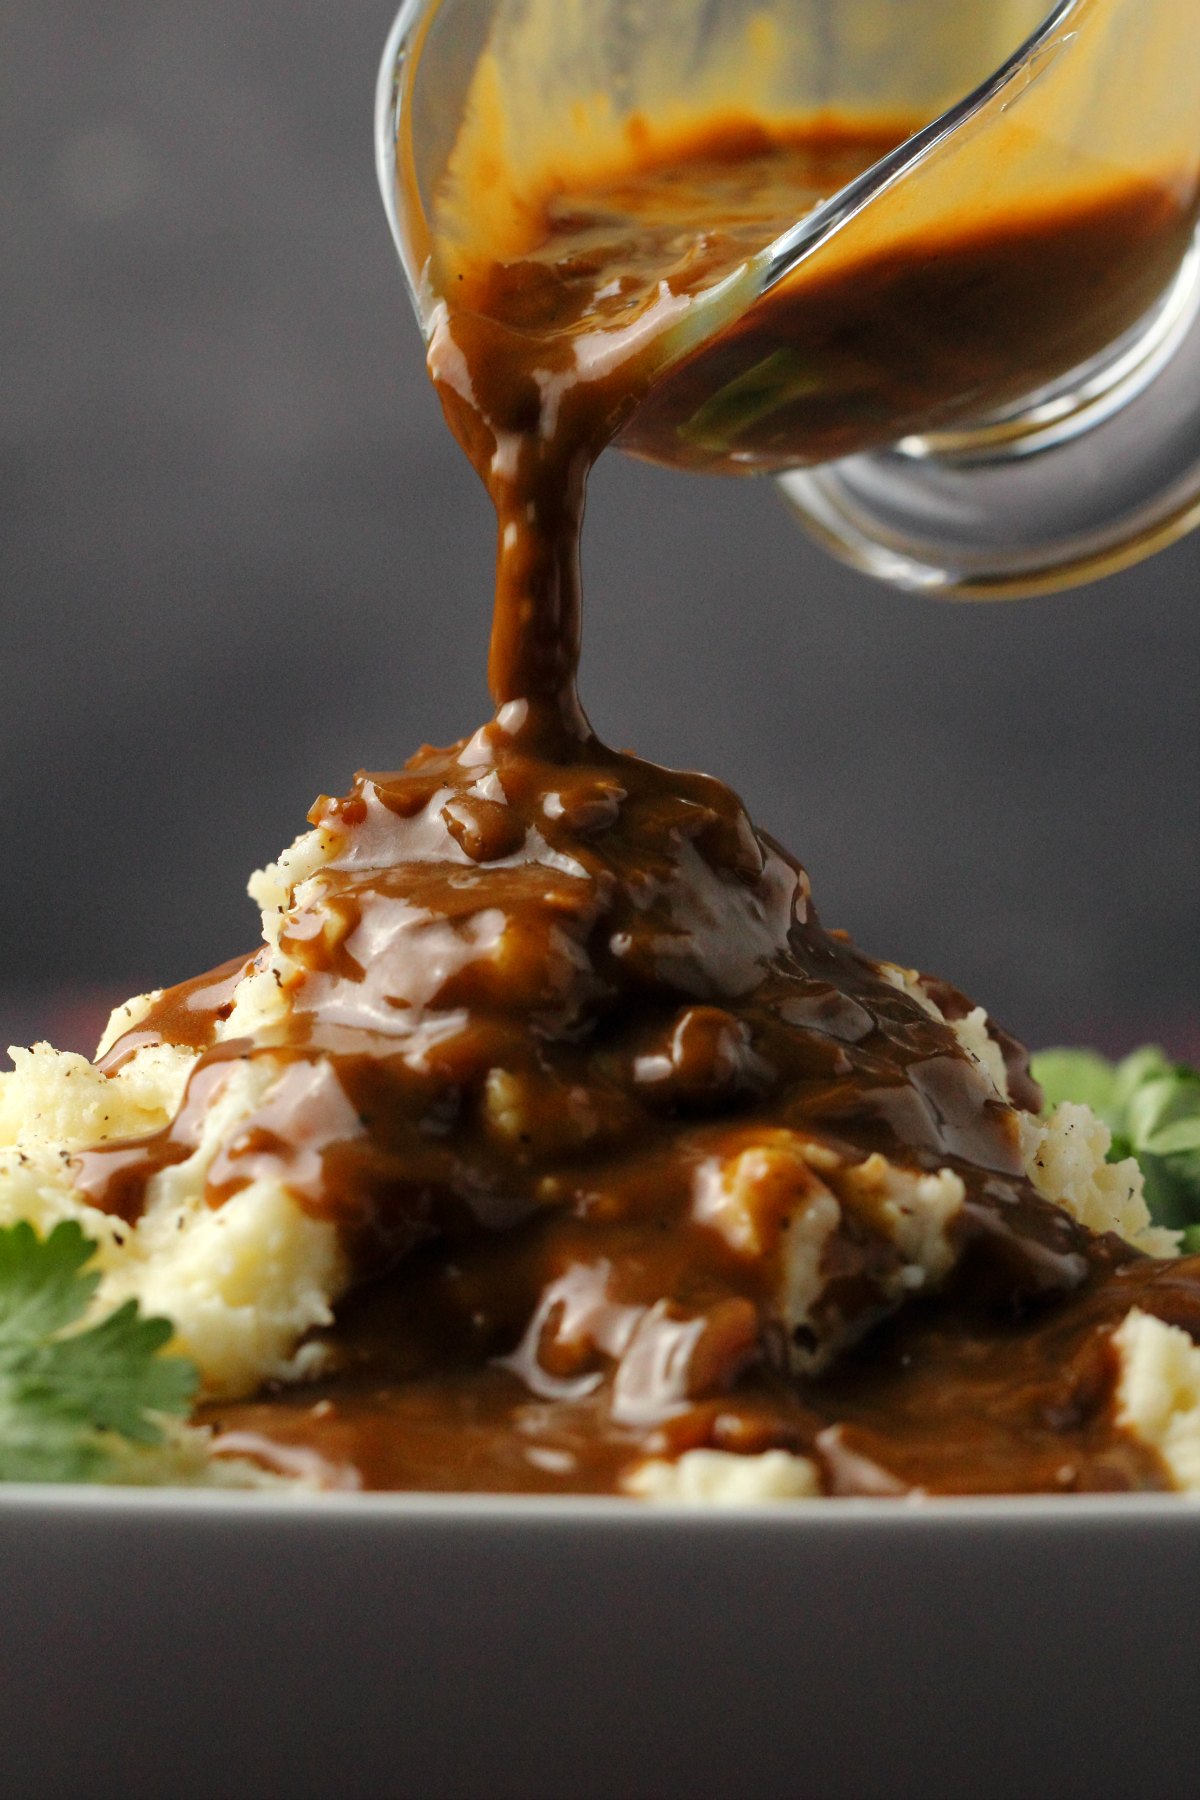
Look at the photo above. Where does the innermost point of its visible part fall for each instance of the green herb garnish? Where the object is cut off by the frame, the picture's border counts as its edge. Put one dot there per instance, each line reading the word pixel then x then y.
pixel 1152 1107
pixel 70 1395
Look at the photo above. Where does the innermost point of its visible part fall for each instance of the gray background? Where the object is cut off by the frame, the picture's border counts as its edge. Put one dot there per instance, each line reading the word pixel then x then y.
pixel 240 556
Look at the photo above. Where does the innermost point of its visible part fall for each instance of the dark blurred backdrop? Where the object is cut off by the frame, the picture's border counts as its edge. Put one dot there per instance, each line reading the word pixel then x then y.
pixel 241 557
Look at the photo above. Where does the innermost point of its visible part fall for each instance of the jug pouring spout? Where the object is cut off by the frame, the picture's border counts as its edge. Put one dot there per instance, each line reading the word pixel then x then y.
pixel 949 296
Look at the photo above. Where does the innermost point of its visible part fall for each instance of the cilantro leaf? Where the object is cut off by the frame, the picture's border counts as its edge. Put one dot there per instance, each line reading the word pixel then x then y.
pixel 1081 1076
pixel 67 1391
pixel 1152 1107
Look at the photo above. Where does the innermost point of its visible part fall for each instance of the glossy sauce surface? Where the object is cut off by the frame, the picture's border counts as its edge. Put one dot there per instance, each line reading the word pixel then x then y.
pixel 549 1004
pixel 950 1398
pixel 861 348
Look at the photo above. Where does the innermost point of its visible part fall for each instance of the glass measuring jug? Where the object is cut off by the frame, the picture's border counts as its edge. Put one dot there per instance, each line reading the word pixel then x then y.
pixel 975 367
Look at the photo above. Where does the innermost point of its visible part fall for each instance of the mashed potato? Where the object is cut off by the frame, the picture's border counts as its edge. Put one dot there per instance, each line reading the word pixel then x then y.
pixel 1158 1394
pixel 245 1283
pixel 717 1478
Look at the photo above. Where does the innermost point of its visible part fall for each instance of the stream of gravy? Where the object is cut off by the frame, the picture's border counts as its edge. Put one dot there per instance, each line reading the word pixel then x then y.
pixel 549 995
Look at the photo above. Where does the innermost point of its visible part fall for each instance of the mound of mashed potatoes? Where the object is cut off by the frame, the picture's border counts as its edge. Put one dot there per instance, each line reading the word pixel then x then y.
pixel 245 1283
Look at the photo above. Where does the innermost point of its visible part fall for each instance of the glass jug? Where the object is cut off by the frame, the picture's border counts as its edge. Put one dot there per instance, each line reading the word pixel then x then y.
pixel 1024 420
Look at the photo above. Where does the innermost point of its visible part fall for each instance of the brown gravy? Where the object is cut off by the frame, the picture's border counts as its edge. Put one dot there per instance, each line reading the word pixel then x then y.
pixel 550 997
pixel 950 1398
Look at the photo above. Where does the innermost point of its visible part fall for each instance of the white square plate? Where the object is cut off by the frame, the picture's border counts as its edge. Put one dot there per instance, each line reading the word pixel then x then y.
pixel 410 1648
